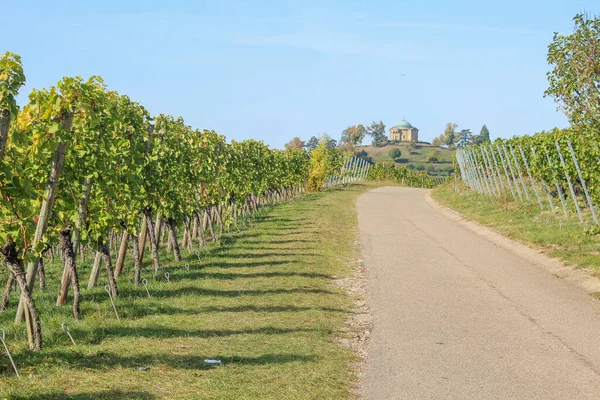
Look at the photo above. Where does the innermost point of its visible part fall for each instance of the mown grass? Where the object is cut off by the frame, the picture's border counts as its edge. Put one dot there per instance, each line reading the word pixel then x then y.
pixel 556 235
pixel 262 301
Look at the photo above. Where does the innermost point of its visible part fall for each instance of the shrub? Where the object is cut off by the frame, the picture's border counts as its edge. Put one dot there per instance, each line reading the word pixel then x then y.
pixel 323 162
pixel 394 153
pixel 434 156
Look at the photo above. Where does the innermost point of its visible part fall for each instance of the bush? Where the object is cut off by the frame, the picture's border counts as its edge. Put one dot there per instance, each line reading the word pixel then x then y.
pixel 434 156
pixel 323 162
pixel 394 153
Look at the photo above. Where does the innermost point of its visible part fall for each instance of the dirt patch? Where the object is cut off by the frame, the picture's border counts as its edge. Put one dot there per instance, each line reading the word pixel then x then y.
pixel 359 324
pixel 582 277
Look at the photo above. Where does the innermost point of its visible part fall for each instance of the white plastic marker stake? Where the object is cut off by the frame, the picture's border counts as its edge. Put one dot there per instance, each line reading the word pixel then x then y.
pixel 2 338
pixel 65 327
pixel 168 276
pixel 107 289
pixel 187 267
pixel 198 255
pixel 145 283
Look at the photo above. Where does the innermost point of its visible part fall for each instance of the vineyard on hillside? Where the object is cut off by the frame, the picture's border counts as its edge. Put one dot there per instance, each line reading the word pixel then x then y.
pixel 404 176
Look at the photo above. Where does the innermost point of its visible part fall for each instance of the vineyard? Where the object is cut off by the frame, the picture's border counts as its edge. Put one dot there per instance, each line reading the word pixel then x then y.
pixel 95 189
pixel 404 175
pixel 87 172
pixel 557 172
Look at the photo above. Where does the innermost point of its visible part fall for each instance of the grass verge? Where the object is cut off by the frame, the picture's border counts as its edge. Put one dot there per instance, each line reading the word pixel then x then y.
pixel 262 301
pixel 555 234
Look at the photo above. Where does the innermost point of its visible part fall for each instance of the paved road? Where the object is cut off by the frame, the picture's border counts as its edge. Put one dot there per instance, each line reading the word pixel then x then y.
pixel 458 317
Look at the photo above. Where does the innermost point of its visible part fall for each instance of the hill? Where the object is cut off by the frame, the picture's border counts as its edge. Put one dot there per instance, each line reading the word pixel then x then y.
pixel 414 156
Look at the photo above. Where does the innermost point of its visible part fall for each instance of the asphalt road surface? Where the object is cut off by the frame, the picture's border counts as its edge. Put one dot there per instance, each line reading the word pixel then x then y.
pixel 457 316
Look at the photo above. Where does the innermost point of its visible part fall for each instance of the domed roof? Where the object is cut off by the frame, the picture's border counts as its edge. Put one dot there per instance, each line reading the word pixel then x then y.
pixel 404 124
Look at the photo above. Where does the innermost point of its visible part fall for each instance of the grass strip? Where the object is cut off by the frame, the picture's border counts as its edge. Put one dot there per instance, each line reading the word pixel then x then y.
pixel 553 233
pixel 262 301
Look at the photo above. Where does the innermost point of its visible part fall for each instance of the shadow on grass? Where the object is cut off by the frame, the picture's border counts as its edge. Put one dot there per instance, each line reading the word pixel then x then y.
pixel 105 359
pixel 225 265
pixel 252 244
pixel 261 255
pixel 97 334
pixel 102 395
pixel 128 293
pixel 140 310
pixel 193 275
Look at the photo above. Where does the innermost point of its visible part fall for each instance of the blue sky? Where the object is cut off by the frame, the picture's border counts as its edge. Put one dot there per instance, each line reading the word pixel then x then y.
pixel 272 70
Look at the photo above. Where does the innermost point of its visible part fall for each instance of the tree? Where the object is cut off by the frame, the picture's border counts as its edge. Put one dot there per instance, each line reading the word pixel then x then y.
pixel 312 143
pixel 377 131
pixel 448 138
pixel 574 81
pixel 353 134
pixel 484 135
pixel 329 142
pixel 464 138
pixel 395 153
pixel 324 161
pixel 295 143
pixel 363 155
pixel 436 142
pixel 433 156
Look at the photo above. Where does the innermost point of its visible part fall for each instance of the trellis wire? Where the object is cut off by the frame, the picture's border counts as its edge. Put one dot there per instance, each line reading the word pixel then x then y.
pixel 145 283
pixel 582 181
pixel 573 197
pixel 512 173
pixel 3 339
pixel 107 289
pixel 491 172
pixel 544 185
pixel 531 178
pixel 65 328
pixel 497 168
pixel 518 166
pixel 480 176
pixel 559 190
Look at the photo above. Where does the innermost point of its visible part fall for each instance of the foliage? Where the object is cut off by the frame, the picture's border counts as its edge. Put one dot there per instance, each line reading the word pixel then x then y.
pixel 395 153
pixel 324 161
pixel 377 131
pixel 11 80
pixel 574 81
pixel 403 175
pixel 295 143
pixel 353 134
pixel 312 143
pixel 330 143
pixel 541 153
pixel 464 138
pixel 363 155
pixel 449 137
pixel 433 156
pixel 484 136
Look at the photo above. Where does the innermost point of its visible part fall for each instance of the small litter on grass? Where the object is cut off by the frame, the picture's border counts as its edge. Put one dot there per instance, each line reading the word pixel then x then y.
pixel 213 361
pixel 144 368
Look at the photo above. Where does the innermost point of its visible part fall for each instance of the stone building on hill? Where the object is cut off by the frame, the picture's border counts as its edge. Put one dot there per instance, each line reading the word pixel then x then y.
pixel 404 132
